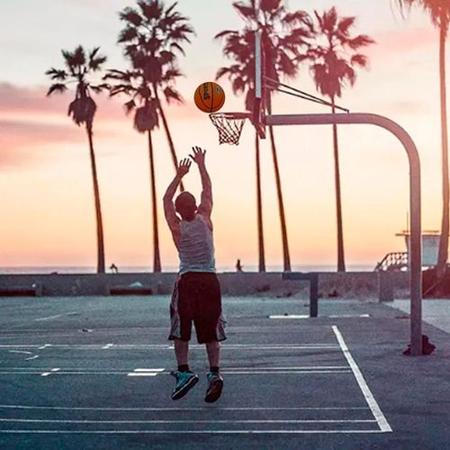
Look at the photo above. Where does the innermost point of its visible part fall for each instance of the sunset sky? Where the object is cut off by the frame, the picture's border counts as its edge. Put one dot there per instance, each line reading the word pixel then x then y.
pixel 45 181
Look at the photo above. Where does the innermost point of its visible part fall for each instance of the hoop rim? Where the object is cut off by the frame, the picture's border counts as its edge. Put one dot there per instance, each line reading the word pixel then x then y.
pixel 232 115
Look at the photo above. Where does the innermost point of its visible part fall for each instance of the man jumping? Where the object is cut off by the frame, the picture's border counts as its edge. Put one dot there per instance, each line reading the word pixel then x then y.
pixel 196 296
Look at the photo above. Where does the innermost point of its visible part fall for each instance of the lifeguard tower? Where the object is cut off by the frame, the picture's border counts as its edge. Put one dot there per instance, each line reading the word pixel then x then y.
pixel 399 260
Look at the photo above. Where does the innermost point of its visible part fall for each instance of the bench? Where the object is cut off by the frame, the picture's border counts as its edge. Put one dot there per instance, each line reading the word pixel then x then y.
pixel 35 290
pixel 130 290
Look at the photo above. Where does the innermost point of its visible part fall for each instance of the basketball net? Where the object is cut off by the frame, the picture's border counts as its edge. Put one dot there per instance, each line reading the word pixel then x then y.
pixel 229 126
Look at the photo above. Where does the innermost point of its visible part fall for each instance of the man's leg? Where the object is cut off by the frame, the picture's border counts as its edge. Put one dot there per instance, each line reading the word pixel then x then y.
pixel 185 378
pixel 215 380
pixel 182 352
pixel 213 350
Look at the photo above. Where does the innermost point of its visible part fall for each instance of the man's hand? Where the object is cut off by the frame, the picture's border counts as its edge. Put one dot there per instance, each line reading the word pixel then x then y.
pixel 199 156
pixel 183 167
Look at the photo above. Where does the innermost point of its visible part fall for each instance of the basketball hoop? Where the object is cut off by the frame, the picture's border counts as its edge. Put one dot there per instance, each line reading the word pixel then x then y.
pixel 229 126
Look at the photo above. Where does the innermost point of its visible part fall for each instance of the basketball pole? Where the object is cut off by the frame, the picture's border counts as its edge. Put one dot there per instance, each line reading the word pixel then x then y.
pixel 415 253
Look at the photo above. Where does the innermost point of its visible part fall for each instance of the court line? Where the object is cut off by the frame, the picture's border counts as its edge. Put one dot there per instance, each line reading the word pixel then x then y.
pixel 370 399
pixel 169 347
pixel 204 408
pixel 225 372
pixel 190 431
pixel 332 316
pixel 74 421
pixel 56 316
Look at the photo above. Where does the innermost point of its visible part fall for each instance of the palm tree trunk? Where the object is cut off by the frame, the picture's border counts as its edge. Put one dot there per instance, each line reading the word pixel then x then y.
pixel 337 176
pixel 286 256
pixel 98 209
pixel 443 242
pixel 261 256
pixel 168 134
pixel 156 257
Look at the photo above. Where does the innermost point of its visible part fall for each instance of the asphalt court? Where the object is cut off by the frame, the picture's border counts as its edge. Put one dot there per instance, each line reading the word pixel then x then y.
pixel 102 368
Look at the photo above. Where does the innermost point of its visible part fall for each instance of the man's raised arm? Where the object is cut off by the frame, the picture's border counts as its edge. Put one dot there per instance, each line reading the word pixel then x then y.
pixel 169 208
pixel 206 198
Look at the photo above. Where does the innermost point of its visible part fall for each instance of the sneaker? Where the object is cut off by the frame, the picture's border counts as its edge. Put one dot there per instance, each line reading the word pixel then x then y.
pixel 215 385
pixel 185 381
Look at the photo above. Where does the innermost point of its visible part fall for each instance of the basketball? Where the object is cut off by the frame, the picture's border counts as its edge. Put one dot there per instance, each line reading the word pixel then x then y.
pixel 209 97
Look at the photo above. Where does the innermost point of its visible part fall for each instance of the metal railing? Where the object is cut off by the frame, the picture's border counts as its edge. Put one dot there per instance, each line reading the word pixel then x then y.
pixel 393 261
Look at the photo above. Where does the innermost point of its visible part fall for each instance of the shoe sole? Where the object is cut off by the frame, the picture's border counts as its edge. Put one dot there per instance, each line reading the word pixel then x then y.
pixel 214 392
pixel 185 389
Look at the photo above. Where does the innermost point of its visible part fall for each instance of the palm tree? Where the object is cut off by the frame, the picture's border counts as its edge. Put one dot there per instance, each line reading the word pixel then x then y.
pixel 439 11
pixel 152 37
pixel 79 66
pixel 134 84
pixel 334 60
pixel 283 35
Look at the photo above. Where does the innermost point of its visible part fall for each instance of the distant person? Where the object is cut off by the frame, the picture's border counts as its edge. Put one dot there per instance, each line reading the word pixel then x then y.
pixel 196 296
pixel 239 267
pixel 114 268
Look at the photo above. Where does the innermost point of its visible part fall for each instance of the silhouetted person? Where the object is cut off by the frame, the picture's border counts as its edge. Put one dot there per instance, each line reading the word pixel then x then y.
pixel 239 267
pixel 114 268
pixel 196 296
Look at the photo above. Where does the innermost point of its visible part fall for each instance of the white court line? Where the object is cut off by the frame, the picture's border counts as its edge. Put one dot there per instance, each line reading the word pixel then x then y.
pixel 186 421
pixel 56 316
pixel 288 367
pixel 20 351
pixel 190 432
pixel 44 346
pixel 331 316
pixel 204 408
pixel 107 346
pixel 46 374
pixel 370 399
pixel 32 357
pixel 141 374
pixel 148 370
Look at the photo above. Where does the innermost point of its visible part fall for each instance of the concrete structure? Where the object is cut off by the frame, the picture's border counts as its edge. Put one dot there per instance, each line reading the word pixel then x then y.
pixel 349 284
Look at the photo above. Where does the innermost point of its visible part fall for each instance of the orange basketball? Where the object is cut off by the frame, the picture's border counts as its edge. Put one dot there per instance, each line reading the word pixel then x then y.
pixel 209 97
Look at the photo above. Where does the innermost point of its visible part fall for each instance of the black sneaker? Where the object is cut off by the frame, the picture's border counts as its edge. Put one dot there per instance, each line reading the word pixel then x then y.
pixel 215 385
pixel 185 381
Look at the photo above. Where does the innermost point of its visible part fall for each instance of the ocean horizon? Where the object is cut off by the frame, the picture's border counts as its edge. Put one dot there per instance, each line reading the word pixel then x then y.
pixel 135 269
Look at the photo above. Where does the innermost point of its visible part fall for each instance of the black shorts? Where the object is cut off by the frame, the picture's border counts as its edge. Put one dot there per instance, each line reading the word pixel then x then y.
pixel 196 298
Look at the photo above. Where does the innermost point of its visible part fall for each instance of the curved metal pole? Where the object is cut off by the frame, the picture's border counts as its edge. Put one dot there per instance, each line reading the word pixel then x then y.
pixel 415 250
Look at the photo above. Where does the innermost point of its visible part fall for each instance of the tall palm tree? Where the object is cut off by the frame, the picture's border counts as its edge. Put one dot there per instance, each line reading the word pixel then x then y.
pixel 334 60
pixel 439 11
pixel 152 38
pixel 283 35
pixel 134 84
pixel 79 66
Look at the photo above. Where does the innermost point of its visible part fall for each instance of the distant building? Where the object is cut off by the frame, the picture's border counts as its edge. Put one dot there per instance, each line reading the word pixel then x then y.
pixel 399 260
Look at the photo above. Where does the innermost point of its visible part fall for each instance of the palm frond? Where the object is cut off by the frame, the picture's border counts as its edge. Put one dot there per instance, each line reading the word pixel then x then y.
pixel 128 34
pixel 55 74
pixel 82 111
pixel 270 6
pixel 171 94
pixel 131 16
pixel 225 33
pixel 178 47
pixel 359 60
pixel 360 41
pixel 57 87
pixel 246 11
pixel 345 24
pixel 129 106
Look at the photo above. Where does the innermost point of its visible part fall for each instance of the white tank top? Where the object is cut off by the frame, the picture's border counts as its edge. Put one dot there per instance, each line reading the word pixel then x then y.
pixel 196 247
